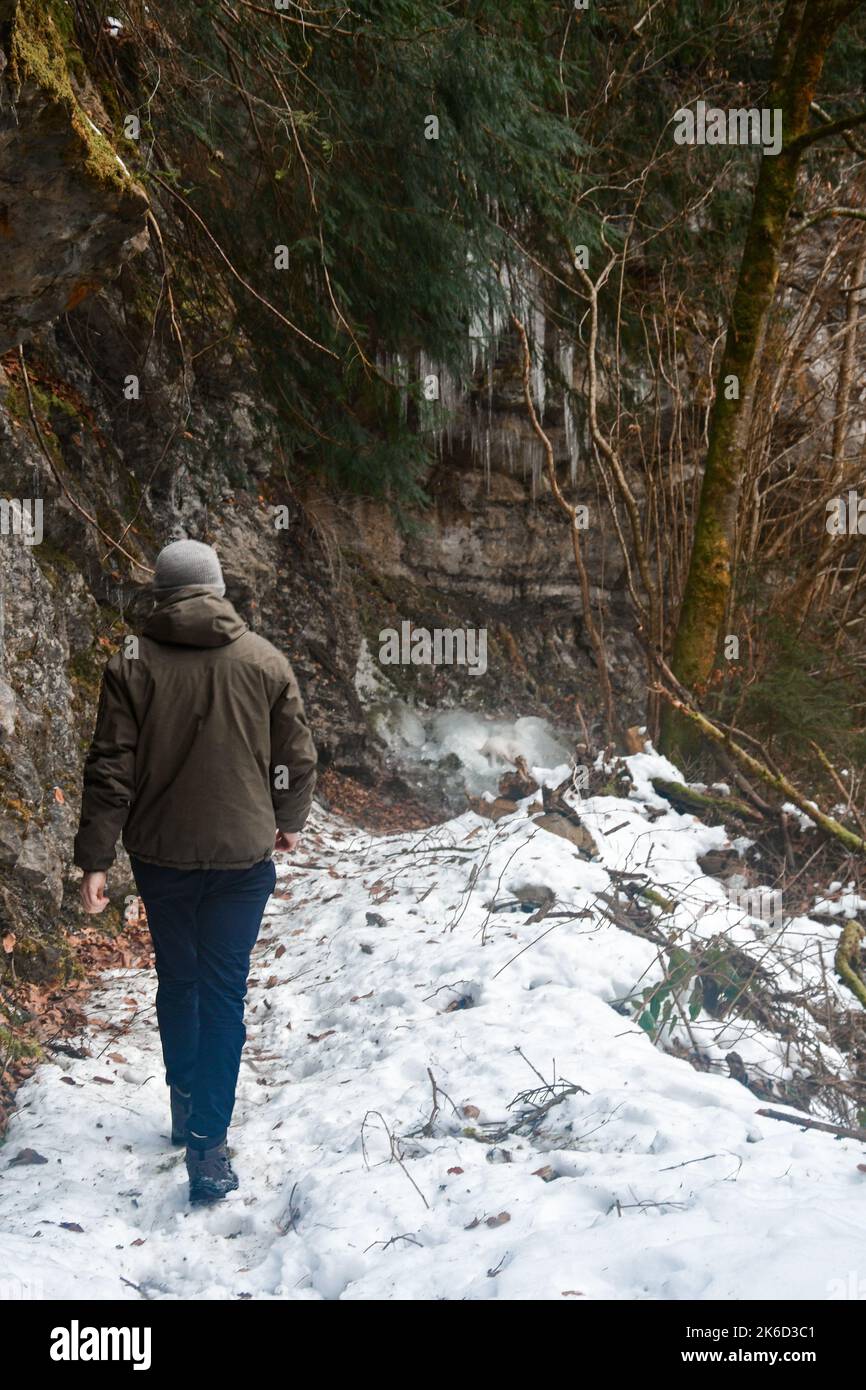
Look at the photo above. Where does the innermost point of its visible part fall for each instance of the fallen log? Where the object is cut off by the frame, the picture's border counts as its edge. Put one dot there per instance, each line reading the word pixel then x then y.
pixel 686 798
pixel 778 781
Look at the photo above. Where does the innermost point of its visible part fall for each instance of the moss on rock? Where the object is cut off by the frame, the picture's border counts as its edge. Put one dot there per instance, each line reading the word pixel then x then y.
pixel 41 49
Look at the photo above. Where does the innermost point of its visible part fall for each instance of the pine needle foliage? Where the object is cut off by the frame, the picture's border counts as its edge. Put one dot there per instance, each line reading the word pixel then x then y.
pixel 398 151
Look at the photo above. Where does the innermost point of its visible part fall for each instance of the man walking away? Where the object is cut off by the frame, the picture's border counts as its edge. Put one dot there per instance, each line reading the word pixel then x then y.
pixel 203 759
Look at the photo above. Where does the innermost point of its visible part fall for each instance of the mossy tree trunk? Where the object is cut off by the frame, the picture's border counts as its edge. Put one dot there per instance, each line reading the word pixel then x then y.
pixel 805 32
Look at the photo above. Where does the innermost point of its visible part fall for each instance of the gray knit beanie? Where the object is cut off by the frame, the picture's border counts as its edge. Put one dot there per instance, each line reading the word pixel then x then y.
pixel 187 562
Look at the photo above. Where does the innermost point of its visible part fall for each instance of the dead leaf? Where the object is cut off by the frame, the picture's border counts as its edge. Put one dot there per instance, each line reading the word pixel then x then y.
pixel 140 1241
pixel 356 997
pixel 492 810
pixel 116 1057
pixel 271 981
pixel 547 1173
pixel 103 1080
pixel 569 828
pixel 499 1220
pixel 471 1112
pixel 455 1170
pixel 9 942
pixel 59 797
pixel 72 1226
pixel 27 1157
pixel 317 1037
pixel 68 1081
pixel 635 739
pixel 280 951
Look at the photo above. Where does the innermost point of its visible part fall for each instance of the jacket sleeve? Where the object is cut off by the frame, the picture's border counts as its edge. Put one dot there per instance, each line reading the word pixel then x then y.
pixel 109 774
pixel 293 758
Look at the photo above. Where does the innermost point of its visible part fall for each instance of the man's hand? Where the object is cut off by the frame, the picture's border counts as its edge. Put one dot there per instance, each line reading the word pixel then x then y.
pixel 93 897
pixel 286 839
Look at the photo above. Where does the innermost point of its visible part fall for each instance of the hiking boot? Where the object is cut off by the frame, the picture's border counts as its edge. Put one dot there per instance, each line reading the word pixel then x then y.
pixel 211 1175
pixel 181 1109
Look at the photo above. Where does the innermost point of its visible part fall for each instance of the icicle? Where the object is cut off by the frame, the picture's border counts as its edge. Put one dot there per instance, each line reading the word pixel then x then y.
pixel 538 378
pixel 565 361
pixel 398 372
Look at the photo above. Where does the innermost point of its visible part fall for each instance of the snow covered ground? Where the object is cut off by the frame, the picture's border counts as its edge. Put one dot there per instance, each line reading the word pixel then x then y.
pixel 390 961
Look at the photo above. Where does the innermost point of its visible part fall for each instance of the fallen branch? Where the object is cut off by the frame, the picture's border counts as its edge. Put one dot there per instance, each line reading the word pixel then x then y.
pixel 778 781
pixel 847 953
pixel 840 1131
pixel 685 695
pixel 844 791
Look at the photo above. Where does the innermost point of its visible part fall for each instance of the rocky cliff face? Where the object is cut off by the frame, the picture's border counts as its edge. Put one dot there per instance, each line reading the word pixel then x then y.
pixel 69 211
pixel 95 476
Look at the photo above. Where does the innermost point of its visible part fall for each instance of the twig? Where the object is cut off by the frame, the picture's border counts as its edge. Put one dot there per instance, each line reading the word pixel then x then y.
pixel 236 273
pixel 437 1091
pixel 396 1156
pixel 286 1222
pixel 134 1286
pixel 689 1161
pixel 115 545
pixel 386 1243
pixel 570 511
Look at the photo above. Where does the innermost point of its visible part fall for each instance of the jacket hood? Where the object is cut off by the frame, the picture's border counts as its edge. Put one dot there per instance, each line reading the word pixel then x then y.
pixel 194 616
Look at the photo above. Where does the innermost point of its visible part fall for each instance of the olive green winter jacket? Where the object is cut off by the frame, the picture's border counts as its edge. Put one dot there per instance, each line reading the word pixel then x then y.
pixel 201 746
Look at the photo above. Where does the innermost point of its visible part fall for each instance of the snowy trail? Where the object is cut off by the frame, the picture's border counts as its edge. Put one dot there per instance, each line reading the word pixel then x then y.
pixel 660 1182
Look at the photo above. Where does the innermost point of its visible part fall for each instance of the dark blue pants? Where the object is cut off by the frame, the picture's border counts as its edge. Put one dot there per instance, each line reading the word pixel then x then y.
pixel 204 924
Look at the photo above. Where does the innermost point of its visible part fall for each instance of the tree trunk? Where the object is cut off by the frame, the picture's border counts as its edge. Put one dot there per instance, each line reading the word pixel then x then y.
pixel 805 31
